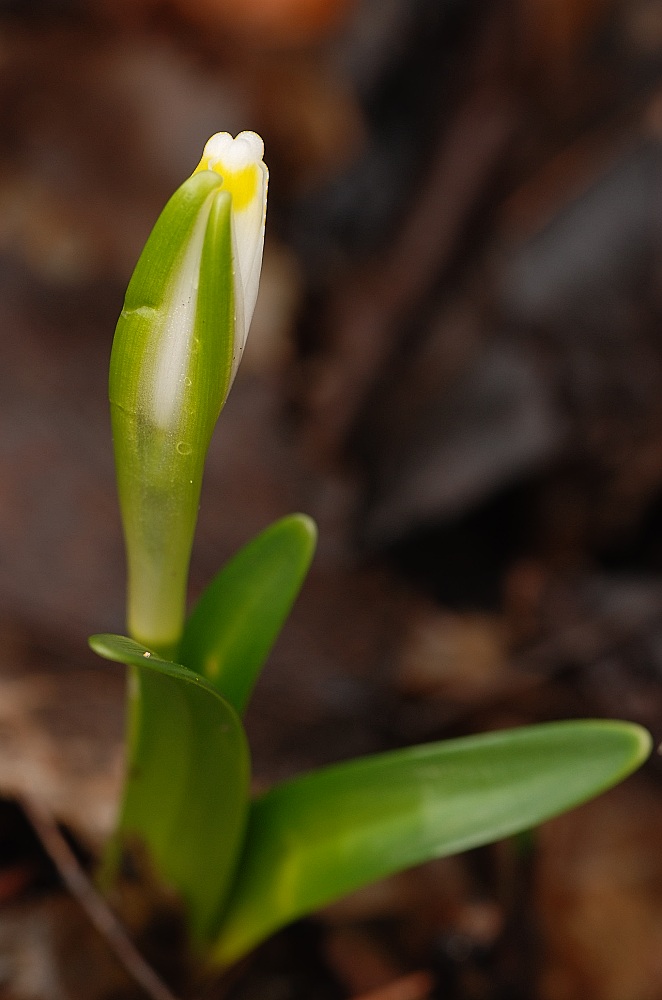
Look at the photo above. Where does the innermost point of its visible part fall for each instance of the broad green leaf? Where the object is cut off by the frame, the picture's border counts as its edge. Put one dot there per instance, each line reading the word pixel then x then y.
pixel 315 838
pixel 238 617
pixel 186 791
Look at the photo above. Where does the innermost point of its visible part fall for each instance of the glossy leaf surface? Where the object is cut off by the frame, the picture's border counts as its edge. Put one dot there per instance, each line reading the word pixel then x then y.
pixel 239 616
pixel 186 791
pixel 315 838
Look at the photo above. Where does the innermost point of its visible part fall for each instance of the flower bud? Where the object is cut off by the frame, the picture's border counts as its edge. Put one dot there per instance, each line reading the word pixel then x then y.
pixel 176 350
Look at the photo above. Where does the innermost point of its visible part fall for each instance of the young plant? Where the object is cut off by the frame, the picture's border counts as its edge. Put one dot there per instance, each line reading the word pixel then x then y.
pixel 244 866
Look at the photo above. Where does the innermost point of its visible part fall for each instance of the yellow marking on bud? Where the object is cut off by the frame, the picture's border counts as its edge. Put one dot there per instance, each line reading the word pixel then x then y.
pixel 242 184
pixel 238 161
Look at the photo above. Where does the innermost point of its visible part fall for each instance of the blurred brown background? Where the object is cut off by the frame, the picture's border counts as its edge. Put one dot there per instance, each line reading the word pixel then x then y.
pixel 455 366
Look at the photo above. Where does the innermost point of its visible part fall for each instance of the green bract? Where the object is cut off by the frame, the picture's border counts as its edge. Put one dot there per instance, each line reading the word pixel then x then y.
pixel 177 346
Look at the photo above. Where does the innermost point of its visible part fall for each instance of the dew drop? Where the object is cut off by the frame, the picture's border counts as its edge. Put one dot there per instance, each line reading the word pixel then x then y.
pixel 183 448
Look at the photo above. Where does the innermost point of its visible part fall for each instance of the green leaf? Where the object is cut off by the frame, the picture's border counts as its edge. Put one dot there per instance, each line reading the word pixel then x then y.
pixel 320 836
pixel 238 617
pixel 186 792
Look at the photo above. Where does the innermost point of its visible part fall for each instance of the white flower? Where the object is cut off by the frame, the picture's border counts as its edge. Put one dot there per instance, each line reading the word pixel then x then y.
pixel 245 175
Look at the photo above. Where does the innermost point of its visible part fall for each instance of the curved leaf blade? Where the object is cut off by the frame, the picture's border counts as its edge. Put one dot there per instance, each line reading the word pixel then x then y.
pixel 315 838
pixel 239 616
pixel 186 789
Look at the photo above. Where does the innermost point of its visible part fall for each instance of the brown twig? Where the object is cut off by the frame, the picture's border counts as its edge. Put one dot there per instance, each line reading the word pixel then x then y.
pixel 82 889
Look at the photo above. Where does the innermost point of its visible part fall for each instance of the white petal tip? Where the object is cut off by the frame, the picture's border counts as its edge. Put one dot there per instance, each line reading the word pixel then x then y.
pixel 222 151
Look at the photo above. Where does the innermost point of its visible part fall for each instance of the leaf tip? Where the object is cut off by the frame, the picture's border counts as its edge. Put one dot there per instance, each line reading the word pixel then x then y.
pixel 642 740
